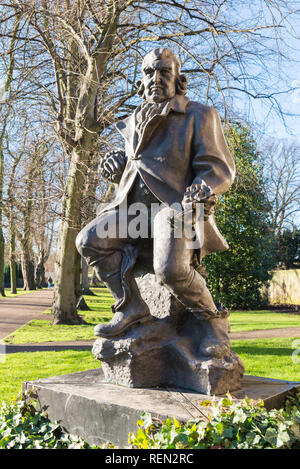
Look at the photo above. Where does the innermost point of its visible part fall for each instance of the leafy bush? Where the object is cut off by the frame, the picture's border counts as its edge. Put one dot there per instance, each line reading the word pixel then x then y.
pixel 23 427
pixel 230 424
pixel 236 277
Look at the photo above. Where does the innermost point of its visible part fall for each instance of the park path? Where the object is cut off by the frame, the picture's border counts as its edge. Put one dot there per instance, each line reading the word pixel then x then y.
pixel 16 312
pixel 88 344
pixel 266 333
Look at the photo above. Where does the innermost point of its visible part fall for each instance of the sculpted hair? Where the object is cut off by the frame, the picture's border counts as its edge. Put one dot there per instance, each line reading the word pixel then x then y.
pixel 181 79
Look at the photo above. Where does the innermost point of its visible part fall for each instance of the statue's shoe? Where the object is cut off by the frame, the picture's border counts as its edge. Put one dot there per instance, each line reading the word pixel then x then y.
pixel 121 322
pixel 215 342
pixel 215 329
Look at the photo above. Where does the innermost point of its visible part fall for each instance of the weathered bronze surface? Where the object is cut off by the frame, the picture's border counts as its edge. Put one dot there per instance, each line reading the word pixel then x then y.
pixel 175 156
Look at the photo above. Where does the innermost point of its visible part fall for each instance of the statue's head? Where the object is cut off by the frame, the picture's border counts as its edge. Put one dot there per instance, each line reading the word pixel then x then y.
pixel 161 76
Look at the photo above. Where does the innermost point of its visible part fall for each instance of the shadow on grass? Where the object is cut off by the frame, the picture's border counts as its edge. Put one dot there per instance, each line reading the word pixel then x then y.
pixel 95 320
pixel 45 348
pixel 251 350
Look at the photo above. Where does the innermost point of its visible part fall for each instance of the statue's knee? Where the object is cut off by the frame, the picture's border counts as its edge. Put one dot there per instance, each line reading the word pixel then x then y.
pixel 166 274
pixel 83 243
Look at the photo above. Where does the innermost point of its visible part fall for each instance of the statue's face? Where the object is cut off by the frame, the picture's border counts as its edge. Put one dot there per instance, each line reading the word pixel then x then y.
pixel 159 79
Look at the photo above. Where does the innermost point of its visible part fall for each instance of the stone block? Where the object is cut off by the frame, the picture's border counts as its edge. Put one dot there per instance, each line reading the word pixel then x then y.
pixel 86 405
pixel 174 348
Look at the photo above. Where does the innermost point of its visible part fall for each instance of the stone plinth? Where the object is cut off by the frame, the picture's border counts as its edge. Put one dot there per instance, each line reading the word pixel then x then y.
pixel 174 348
pixel 85 405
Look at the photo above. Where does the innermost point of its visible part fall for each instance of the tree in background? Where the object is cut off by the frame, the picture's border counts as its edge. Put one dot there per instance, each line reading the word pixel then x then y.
pixel 5 115
pixel 28 205
pixel 288 251
pixel 280 161
pixel 236 276
pixel 280 183
pixel 83 60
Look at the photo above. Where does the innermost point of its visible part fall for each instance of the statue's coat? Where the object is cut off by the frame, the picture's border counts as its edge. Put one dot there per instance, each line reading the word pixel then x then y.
pixel 183 145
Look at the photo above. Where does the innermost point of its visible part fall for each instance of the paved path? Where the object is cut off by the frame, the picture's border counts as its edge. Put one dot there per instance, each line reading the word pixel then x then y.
pixel 50 346
pixel 267 333
pixel 88 344
pixel 17 311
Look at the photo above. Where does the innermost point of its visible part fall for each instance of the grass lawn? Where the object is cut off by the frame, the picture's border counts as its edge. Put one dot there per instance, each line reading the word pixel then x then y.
pixel 251 320
pixel 27 366
pixel 42 331
pixel 20 291
pixel 271 358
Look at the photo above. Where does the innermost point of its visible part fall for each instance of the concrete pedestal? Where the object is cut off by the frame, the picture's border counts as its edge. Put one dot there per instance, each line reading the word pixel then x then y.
pixel 87 406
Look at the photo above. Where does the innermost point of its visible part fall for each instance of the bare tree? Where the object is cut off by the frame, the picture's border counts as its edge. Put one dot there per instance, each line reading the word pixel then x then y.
pixel 83 64
pixel 281 182
pixel 44 204
pixel 6 111
pixel 9 210
pixel 28 206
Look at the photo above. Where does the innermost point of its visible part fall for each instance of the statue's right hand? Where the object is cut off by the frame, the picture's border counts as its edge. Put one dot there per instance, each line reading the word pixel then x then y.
pixel 112 165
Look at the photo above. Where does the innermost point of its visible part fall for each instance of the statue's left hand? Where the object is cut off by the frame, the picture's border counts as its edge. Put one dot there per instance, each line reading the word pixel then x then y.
pixel 200 193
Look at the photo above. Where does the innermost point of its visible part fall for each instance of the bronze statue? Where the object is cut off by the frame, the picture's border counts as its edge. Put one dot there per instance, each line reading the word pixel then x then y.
pixel 175 153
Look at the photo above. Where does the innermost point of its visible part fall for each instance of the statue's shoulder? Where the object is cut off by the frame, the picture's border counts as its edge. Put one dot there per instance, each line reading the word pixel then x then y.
pixel 199 108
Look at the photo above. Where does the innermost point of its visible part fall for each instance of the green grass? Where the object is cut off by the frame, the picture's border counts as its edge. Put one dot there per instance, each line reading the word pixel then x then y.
pixel 42 331
pixel 20 291
pixel 39 331
pixel 27 366
pixel 258 320
pixel 269 358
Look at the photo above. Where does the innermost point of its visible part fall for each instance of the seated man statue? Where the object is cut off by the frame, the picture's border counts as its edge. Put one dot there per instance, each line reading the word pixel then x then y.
pixel 175 153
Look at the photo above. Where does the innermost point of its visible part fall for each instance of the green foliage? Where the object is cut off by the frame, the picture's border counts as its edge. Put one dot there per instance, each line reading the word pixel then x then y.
pixel 229 425
pixel 23 427
pixel 236 276
pixel 19 275
pixel 288 253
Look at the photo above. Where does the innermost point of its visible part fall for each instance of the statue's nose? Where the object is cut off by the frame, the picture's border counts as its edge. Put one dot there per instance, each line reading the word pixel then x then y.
pixel 156 76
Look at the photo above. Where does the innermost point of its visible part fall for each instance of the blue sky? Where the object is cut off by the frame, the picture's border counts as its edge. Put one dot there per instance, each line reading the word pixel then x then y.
pixel 286 72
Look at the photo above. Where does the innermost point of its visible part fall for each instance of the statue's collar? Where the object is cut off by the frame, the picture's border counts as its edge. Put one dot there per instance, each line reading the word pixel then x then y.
pixel 177 104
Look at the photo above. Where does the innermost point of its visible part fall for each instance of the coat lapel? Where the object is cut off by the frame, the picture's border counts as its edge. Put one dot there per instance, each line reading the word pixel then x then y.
pixel 127 126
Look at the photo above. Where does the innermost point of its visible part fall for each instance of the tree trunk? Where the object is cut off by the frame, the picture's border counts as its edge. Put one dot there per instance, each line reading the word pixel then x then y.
pixel 13 277
pixel 77 268
pixel 4 120
pixel 40 280
pixel 2 291
pixel 66 279
pixel 28 272
pixel 85 278
pixel 12 262
pixel 84 275
pixel 27 265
